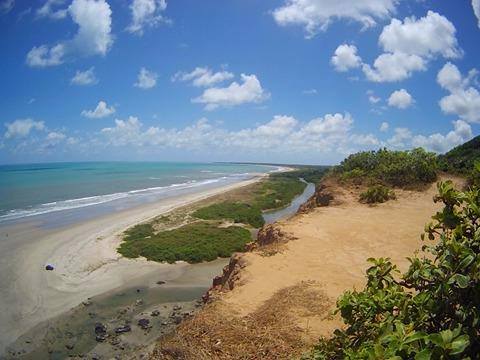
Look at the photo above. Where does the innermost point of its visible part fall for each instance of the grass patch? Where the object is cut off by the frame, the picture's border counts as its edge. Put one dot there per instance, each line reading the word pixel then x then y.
pixel 193 243
pixel 377 194
pixel 277 192
pixel 235 211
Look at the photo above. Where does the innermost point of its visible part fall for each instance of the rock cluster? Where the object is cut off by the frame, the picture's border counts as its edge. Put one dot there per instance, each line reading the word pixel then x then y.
pixel 323 196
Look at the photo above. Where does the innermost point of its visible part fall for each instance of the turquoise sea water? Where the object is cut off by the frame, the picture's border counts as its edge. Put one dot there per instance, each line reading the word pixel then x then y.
pixel 34 189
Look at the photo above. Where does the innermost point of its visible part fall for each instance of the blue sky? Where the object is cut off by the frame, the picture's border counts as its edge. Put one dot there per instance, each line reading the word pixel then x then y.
pixel 297 81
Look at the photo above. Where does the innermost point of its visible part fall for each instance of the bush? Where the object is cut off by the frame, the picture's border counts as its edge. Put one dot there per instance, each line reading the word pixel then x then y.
pixel 311 174
pixel 237 212
pixel 460 160
pixel 430 312
pixel 377 194
pixel 277 192
pixel 394 168
pixel 193 243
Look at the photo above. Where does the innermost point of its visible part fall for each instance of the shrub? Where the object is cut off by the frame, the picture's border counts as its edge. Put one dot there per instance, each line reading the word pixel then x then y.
pixel 193 243
pixel 432 311
pixel 237 212
pixel 377 194
pixel 277 192
pixel 395 168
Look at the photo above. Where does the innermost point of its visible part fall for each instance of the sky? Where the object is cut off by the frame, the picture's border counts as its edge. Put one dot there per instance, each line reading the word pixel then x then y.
pixel 286 81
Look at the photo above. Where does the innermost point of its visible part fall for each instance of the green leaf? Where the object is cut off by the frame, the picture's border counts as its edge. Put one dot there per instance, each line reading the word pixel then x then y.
pixel 459 344
pixel 461 280
pixel 425 354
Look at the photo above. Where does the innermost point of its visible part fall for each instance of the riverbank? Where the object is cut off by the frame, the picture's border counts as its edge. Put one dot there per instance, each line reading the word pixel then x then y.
pixel 85 259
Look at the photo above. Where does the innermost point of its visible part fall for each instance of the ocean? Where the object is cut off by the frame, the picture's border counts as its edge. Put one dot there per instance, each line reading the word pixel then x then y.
pixel 27 191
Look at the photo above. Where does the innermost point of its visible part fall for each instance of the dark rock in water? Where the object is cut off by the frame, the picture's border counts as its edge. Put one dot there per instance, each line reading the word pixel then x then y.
pixel 155 313
pixel 138 302
pixel 49 267
pixel 123 329
pixel 138 290
pixel 144 324
pixel 87 302
pixel 70 346
pixel 100 328
pixel 160 282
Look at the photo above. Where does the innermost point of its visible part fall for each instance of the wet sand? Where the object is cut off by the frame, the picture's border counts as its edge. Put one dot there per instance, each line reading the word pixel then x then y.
pixel 86 264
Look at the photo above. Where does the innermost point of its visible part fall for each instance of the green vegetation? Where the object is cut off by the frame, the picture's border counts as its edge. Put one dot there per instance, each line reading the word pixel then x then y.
pixel 311 174
pixel 432 311
pixel 193 243
pixel 277 192
pixel 377 194
pixel 460 160
pixel 235 211
pixel 394 168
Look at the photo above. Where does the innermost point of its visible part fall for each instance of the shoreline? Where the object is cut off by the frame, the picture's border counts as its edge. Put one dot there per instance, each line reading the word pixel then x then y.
pixel 85 259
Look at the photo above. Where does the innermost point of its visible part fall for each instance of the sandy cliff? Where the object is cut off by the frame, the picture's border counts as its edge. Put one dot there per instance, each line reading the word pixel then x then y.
pixel 275 301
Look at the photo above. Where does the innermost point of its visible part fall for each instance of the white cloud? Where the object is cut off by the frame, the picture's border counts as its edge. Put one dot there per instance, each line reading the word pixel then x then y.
pixel 146 79
pixel 22 127
pixel 476 9
pixel 248 91
pixel 310 92
pixel 346 58
pixel 439 143
pixel 6 6
pixel 86 77
pixel 384 126
pixel 146 13
pixel 409 46
pixel 203 77
pixel 47 10
pixel 393 67
pixel 400 139
pixel 316 15
pixel 426 37
pixel 43 56
pixel 400 99
pixel 372 98
pixel 102 110
pixel 55 136
pixel 93 37
pixel 464 99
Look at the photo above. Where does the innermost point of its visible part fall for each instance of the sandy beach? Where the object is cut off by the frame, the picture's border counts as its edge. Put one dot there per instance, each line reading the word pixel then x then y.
pixel 85 259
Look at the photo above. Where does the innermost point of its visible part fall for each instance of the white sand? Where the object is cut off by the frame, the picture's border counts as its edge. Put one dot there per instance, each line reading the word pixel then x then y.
pixel 85 259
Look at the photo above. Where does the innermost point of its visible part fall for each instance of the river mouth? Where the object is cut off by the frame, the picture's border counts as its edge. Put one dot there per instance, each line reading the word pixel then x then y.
pixel 72 334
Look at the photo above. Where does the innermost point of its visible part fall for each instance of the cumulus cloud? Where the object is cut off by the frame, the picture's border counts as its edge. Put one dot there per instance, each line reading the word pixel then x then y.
pixel 317 15
pixel 48 10
pixel 400 99
pixel 346 58
pixel 384 126
pixel 146 13
pixel 440 143
pixel 248 91
pixel 93 36
pixel 203 77
pixel 393 67
pixel 102 110
pixel 146 79
pixel 6 6
pixel 43 56
pixel 372 98
pixel 86 77
pixel 464 98
pixel 476 9
pixel 409 46
pixel 22 127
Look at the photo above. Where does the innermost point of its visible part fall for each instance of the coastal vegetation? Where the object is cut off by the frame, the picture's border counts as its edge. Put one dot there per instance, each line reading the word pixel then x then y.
pixel 460 160
pixel 393 168
pixel 195 242
pixel 205 233
pixel 234 211
pixel 432 311
pixel 311 174
pixel 377 194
